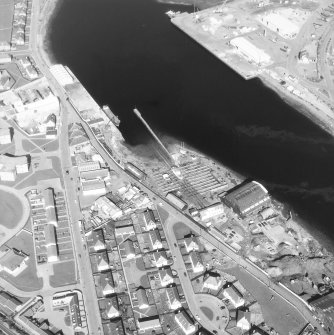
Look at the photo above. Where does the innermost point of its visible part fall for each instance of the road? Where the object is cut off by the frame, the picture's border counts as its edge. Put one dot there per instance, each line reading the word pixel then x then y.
pixel 87 285
pixel 191 297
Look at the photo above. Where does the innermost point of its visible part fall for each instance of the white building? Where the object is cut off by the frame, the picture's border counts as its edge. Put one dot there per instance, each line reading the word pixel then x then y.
pixel 235 297
pixel 5 136
pixel 196 262
pixel 212 281
pixel 160 259
pixel 279 24
pixel 124 231
pixel 10 166
pixel 250 51
pixel 173 298
pixel 5 58
pixel 93 187
pixel 244 320
pixel 149 323
pixel 191 244
pixel 108 208
pixel 211 212
pixel 166 277
pixel 155 239
pixel 183 320
pixel 61 74
pixel 88 166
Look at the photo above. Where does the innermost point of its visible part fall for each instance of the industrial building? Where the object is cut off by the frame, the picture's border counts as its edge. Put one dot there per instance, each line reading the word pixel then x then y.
pixel 134 171
pixel 250 51
pixel 247 198
pixel 176 201
pixel 279 24
pixel 325 303
pixel 211 212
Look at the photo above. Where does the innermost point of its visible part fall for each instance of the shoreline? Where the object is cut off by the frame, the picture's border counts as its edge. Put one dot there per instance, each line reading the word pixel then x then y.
pixel 52 6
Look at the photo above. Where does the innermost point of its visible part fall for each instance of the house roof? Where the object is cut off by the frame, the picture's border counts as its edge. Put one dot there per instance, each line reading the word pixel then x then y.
pixel 95 239
pixel 103 282
pixel 155 236
pixel 324 302
pixel 113 327
pixel 195 258
pixel 184 320
pixel 108 306
pixel 142 297
pixel 128 247
pixel 172 294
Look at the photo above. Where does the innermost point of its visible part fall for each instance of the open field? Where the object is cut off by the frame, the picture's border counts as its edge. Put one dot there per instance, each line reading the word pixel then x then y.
pixel 64 274
pixel 6 19
pixel 277 313
pixel 27 280
pixel 10 208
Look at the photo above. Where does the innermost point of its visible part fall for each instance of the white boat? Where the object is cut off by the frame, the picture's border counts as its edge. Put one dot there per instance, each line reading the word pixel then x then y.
pixel 172 14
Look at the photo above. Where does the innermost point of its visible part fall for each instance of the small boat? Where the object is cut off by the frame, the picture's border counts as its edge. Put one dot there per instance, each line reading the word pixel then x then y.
pixel 112 117
pixel 172 14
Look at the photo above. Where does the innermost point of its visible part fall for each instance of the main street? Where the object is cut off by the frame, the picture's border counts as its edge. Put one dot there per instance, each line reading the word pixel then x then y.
pixel 82 258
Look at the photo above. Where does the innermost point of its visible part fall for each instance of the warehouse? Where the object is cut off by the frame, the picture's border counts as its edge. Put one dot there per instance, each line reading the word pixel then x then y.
pixel 250 51
pixel 211 211
pixel 176 201
pixel 280 24
pixel 245 199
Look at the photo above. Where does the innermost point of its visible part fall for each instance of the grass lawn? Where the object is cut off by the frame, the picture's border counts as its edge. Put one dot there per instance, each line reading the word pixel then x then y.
pixel 207 311
pixel 277 313
pixel 10 209
pixel 180 230
pixel 26 280
pixel 28 146
pixel 64 274
pixel 6 19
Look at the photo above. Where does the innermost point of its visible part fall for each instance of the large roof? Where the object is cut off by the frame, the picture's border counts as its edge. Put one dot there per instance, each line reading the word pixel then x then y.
pixel 324 302
pixel 246 196
pixel 12 259
pixel 9 163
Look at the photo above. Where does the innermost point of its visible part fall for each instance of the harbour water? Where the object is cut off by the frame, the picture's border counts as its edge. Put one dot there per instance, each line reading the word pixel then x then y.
pixel 127 53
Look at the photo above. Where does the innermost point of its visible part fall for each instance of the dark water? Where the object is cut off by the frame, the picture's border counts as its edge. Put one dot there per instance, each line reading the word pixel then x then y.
pixel 127 53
